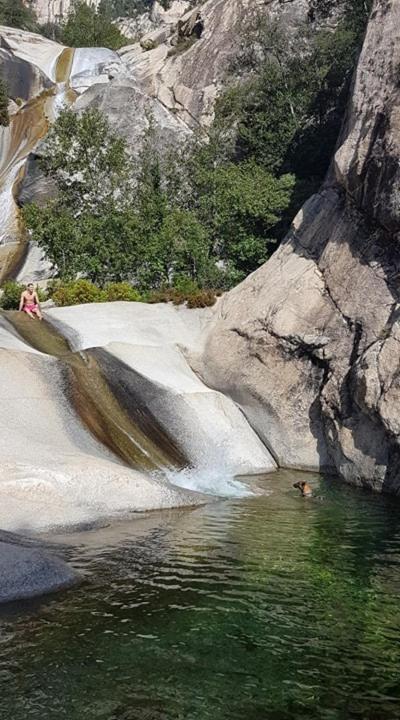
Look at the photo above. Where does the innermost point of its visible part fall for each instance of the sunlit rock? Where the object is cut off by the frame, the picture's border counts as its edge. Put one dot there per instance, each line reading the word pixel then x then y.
pixel 307 344
pixel 53 472
pixel 143 349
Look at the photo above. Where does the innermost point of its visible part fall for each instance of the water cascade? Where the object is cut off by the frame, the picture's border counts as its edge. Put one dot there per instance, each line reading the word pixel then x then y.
pixel 92 431
pixel 28 126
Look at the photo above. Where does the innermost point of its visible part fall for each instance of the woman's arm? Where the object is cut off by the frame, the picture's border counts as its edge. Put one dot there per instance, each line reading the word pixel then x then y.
pixel 22 300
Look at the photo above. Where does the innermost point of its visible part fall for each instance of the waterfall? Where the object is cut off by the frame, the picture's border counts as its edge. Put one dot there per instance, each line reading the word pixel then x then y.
pixel 28 126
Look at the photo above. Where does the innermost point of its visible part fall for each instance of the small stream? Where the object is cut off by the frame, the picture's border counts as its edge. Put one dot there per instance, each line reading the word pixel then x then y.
pixel 269 607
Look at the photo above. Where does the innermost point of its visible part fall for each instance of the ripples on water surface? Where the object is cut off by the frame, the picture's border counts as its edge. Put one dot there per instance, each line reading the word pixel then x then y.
pixel 261 608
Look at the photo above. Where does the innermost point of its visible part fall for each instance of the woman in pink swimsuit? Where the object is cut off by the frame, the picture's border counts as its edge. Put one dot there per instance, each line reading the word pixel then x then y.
pixel 29 302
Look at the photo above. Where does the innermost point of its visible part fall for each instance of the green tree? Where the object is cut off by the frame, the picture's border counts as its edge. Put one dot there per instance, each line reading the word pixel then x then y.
pixel 88 26
pixel 90 227
pixel 241 204
pixel 89 162
pixel 156 219
pixel 4 117
pixel 15 13
pixel 289 111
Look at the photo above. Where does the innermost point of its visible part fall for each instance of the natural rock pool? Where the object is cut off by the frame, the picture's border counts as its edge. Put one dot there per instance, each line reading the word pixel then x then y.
pixel 263 607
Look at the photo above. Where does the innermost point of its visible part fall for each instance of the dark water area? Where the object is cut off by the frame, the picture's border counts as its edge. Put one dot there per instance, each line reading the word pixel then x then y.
pixel 262 608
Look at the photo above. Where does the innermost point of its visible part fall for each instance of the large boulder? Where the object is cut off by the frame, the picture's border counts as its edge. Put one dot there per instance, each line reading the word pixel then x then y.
pixel 129 111
pixel 308 344
pixel 142 351
pixel 55 469
pixel 32 48
pixel 24 80
pixel 27 571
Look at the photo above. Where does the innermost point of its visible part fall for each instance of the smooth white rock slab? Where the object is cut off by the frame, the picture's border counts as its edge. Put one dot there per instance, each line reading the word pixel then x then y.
pixel 35 49
pixel 89 67
pixel 153 341
pixel 53 473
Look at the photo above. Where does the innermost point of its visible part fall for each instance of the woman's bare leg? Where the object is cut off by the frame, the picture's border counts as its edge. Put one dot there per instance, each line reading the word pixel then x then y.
pixel 38 314
pixel 31 315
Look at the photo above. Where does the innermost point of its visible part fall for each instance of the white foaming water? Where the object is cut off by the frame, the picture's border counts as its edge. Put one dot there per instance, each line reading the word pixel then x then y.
pixel 210 481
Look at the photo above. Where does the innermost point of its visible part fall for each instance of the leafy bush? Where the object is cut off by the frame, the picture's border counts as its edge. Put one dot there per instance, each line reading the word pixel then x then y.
pixel 77 293
pixel 121 291
pixel 15 13
pixel 83 291
pixel 195 298
pixel 201 299
pixel 11 293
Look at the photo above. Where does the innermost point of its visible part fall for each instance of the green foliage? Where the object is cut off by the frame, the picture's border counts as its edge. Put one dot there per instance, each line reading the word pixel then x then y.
pixel 15 13
pixel 88 26
pixel 89 228
pixel 82 291
pixel 193 297
pixel 241 204
pixel 161 218
pixel 4 117
pixel 77 293
pixel 286 111
pixel 289 112
pixel 121 291
pixel 11 293
pixel 89 162
pixel 52 30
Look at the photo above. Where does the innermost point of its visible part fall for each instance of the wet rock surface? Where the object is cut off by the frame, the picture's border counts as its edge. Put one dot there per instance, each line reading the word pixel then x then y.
pixel 26 570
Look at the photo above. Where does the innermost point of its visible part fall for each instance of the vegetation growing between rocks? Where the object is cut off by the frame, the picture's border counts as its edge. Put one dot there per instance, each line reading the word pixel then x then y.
pixel 82 291
pixel 209 213
pixel 14 13
pixel 88 26
pixel 287 107
pixel 4 117
pixel 154 220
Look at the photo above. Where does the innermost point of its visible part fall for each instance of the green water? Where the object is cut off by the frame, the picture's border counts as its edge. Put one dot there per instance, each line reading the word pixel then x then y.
pixel 262 608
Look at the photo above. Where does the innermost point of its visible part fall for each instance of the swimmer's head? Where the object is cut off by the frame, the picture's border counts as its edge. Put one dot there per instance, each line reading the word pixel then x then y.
pixel 304 487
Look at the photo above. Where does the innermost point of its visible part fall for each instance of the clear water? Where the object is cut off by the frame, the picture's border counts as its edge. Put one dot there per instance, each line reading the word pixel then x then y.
pixel 258 608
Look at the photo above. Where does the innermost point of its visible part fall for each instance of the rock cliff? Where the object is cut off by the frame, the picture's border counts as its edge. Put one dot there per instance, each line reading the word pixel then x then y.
pixel 53 10
pixel 308 345
pixel 184 64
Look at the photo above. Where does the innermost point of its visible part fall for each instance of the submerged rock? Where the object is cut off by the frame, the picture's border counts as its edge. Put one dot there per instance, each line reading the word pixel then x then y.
pixel 27 571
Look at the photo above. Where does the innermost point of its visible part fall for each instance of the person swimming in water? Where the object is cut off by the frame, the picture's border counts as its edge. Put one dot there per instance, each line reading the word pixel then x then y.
pixel 29 302
pixel 304 488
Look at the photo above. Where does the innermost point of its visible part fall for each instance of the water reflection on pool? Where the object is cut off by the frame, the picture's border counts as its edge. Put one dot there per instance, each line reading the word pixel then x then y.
pixel 263 607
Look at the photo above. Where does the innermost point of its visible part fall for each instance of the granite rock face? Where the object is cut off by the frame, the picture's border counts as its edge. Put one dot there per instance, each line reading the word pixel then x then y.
pixel 309 344
pixel 53 10
pixel 128 110
pixel 185 64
